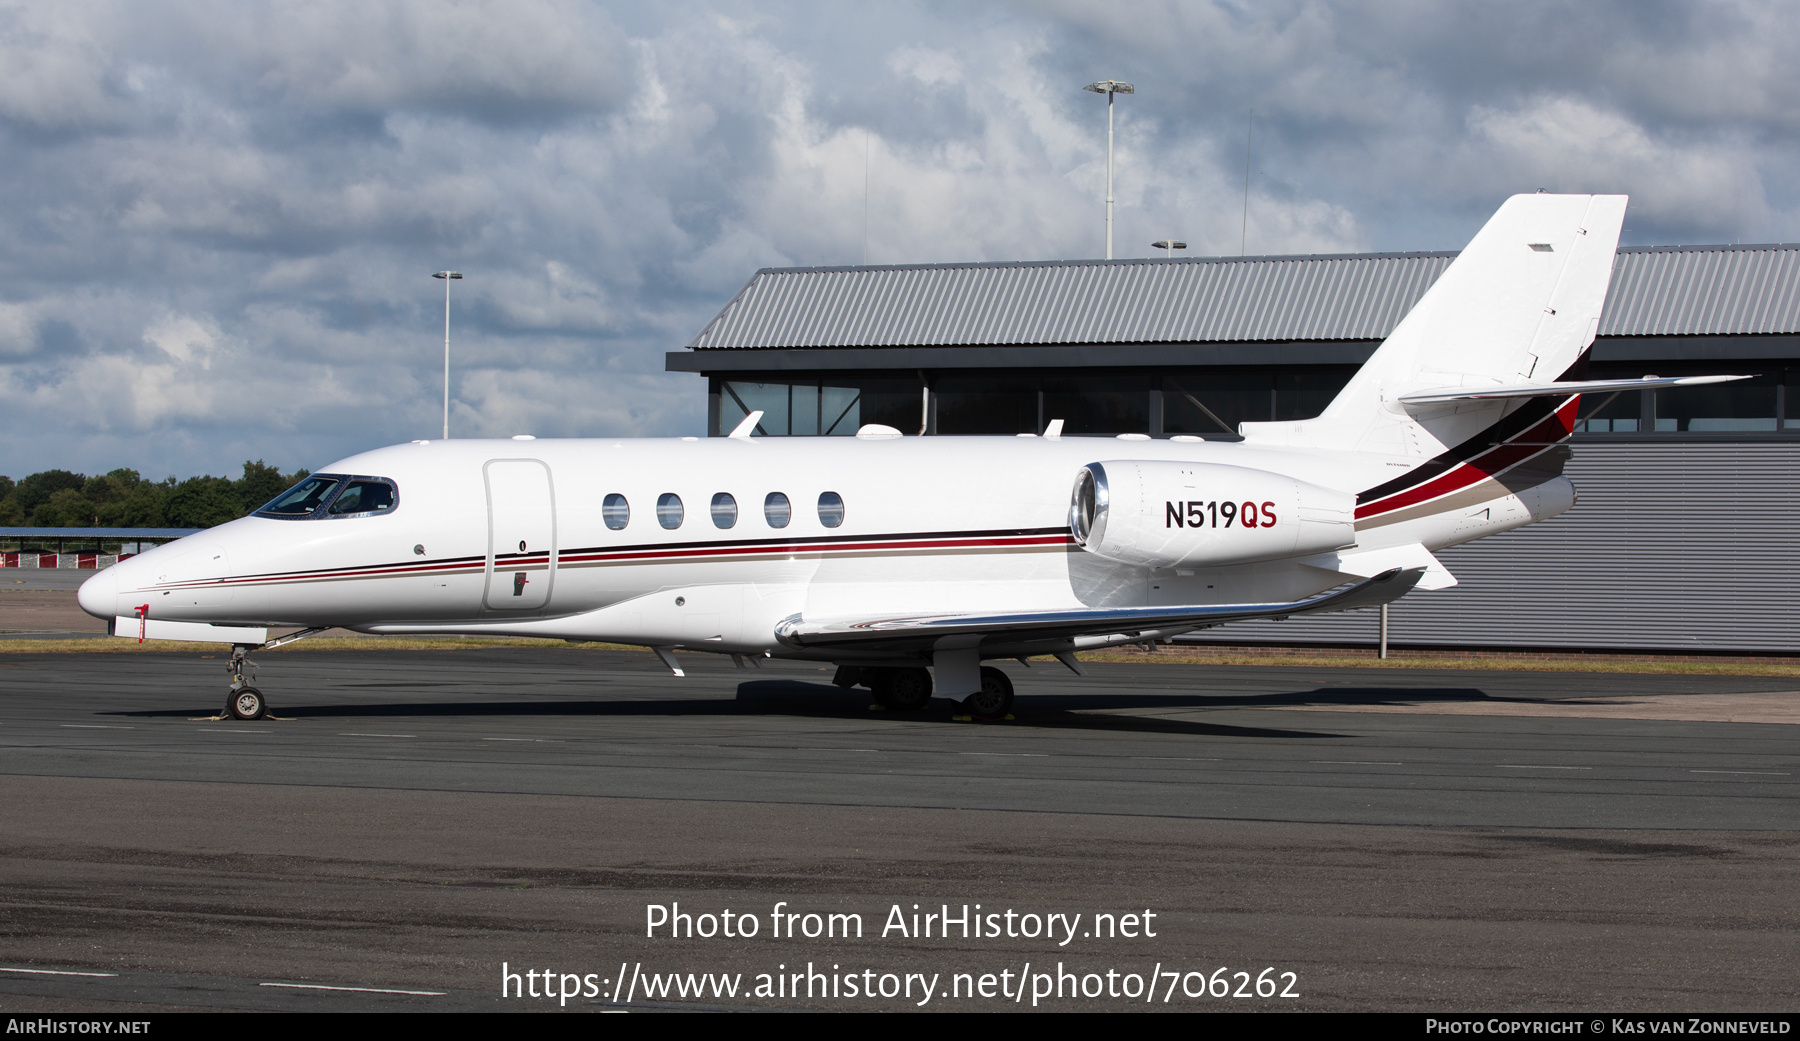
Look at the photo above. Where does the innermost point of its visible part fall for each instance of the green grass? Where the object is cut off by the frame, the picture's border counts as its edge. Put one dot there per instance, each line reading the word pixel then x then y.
pixel 1184 656
pixel 1163 656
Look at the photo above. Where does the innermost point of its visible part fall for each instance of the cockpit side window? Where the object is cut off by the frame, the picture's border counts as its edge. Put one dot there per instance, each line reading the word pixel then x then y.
pixel 303 499
pixel 334 495
pixel 364 495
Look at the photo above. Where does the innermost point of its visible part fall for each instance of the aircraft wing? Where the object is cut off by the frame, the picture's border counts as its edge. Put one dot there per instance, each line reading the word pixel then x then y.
pixel 1024 628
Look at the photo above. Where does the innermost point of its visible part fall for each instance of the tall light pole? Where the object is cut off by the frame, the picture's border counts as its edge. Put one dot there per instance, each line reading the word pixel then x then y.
pixel 447 276
pixel 1109 88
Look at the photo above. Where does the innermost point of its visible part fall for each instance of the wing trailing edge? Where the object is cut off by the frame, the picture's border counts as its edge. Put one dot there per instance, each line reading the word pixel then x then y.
pixel 921 632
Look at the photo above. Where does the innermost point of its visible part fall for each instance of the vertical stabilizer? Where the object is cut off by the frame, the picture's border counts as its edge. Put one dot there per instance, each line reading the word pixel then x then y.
pixel 1519 305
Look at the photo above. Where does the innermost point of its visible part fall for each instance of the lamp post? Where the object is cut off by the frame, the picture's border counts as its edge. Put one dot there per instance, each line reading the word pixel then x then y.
pixel 1168 246
pixel 447 276
pixel 1109 88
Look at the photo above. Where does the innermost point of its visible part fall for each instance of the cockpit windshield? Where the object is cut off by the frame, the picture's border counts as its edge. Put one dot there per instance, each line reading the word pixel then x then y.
pixel 303 499
pixel 334 495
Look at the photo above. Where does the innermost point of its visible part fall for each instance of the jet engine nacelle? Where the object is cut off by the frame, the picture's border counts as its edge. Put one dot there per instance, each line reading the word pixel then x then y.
pixel 1170 514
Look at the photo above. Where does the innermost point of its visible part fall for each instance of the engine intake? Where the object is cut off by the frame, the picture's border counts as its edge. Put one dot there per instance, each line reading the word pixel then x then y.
pixel 1171 514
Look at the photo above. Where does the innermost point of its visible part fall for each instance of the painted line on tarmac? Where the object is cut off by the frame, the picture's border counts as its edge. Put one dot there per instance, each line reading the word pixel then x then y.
pixel 58 972
pixel 1356 762
pixel 1746 773
pixel 1535 766
pixel 358 990
pixel 93 726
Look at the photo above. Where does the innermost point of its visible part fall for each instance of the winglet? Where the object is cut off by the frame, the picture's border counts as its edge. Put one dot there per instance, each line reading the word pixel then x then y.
pixel 743 430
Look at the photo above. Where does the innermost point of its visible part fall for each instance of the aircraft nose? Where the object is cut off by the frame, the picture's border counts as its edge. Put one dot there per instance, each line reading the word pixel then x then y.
pixel 99 596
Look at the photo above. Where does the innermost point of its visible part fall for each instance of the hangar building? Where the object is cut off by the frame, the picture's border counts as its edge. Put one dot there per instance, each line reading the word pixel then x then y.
pixel 1685 538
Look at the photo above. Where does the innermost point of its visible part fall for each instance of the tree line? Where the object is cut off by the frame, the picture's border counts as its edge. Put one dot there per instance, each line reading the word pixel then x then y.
pixel 124 499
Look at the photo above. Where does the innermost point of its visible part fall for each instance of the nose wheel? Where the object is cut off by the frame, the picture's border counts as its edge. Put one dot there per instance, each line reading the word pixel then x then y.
pixel 247 703
pixel 244 701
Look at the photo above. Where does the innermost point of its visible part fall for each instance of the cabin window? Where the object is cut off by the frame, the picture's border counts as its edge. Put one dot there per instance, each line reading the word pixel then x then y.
pixel 831 509
pixel 303 499
pixel 776 510
pixel 668 510
pixel 363 496
pixel 724 510
pixel 615 511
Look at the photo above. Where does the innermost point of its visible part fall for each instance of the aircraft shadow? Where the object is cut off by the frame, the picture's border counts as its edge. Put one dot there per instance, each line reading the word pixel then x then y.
pixel 1095 712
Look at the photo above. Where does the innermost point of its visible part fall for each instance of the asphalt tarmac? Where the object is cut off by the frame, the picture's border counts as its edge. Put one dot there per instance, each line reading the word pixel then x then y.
pixel 1396 839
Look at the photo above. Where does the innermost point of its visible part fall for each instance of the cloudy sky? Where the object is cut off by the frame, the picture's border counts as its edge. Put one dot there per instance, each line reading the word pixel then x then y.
pixel 220 219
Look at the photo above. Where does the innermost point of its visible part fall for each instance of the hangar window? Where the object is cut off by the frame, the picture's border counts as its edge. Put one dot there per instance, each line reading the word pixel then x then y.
pixel 833 406
pixel 831 509
pixel 303 499
pixel 668 510
pixel 776 510
pixel 1739 406
pixel 615 511
pixel 364 496
pixel 724 510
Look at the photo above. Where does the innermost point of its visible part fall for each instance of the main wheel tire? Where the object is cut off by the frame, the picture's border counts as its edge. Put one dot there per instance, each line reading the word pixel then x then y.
pixel 248 703
pixel 995 699
pixel 904 690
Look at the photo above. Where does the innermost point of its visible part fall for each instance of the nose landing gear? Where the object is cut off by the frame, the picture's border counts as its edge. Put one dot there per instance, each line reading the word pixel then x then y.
pixel 244 701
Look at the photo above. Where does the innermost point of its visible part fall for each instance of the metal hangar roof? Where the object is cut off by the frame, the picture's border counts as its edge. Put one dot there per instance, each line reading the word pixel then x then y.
pixel 1656 291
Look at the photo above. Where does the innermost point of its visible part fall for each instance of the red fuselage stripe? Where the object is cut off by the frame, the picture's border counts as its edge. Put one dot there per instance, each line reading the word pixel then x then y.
pixel 538 560
pixel 1555 427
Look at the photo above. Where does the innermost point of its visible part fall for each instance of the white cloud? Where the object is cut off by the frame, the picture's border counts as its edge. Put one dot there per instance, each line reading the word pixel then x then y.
pixel 182 338
pixel 1567 144
pixel 53 73
pixel 221 218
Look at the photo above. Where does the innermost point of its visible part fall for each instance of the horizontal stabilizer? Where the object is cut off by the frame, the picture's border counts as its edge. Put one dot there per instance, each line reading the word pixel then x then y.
pixel 1363 563
pixel 1557 390
pixel 192 632
pixel 923 631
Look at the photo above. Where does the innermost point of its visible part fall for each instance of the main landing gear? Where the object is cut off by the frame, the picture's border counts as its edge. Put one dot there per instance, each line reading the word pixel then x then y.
pixel 904 690
pixel 909 689
pixel 995 698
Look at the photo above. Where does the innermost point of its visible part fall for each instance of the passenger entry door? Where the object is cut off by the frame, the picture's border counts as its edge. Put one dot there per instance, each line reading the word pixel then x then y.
pixel 521 534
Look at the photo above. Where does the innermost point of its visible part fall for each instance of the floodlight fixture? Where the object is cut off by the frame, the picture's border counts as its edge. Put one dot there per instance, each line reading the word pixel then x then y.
pixel 447 276
pixel 1168 246
pixel 1109 88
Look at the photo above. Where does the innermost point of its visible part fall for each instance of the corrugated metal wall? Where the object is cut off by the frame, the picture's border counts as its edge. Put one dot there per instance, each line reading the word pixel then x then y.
pixel 1671 547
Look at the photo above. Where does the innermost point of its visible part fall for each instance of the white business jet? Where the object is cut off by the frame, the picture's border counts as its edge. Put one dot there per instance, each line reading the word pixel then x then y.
pixel 909 561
